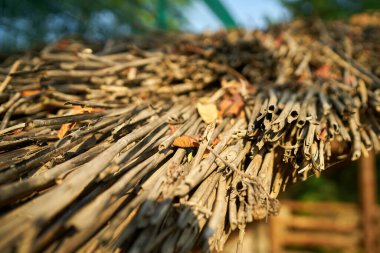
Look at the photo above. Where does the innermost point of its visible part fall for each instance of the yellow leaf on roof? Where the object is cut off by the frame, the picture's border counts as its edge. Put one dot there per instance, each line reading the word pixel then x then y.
pixel 207 110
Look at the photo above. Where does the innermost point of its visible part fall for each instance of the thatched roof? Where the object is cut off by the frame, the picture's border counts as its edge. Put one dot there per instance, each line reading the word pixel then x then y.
pixel 171 142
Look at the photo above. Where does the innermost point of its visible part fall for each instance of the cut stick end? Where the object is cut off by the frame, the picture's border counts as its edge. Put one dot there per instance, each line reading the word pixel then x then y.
pixel 355 155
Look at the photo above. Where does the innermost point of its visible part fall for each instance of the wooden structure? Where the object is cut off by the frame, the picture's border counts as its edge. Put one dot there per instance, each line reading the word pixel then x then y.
pixel 347 227
pixel 307 227
pixel 316 225
pixel 337 226
pixel 367 183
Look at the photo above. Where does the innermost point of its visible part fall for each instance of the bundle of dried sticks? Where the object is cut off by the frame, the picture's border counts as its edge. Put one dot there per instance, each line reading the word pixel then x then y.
pixel 172 143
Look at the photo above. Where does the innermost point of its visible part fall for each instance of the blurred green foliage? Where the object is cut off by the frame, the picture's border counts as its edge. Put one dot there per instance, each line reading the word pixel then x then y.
pixel 330 9
pixel 314 189
pixel 30 22
pixel 339 183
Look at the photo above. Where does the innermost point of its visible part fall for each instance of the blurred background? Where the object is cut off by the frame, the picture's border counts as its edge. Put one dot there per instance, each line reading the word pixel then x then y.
pixel 27 24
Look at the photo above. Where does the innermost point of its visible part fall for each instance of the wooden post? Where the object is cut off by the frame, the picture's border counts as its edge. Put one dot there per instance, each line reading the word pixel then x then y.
pixel 367 184
pixel 277 226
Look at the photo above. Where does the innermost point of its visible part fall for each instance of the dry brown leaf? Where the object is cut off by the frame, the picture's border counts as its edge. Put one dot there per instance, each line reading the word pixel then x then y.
pixel 75 110
pixel 186 141
pixel 64 129
pixel 323 135
pixel 324 71
pixel 207 110
pixel 231 105
pixel 237 105
pixel 224 105
pixel 172 129
pixel 28 93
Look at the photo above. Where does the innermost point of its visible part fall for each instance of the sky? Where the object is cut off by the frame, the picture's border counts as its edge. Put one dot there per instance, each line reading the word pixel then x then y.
pixel 249 14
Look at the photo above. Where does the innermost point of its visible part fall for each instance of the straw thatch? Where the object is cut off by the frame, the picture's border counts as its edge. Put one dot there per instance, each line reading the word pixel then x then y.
pixel 171 142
